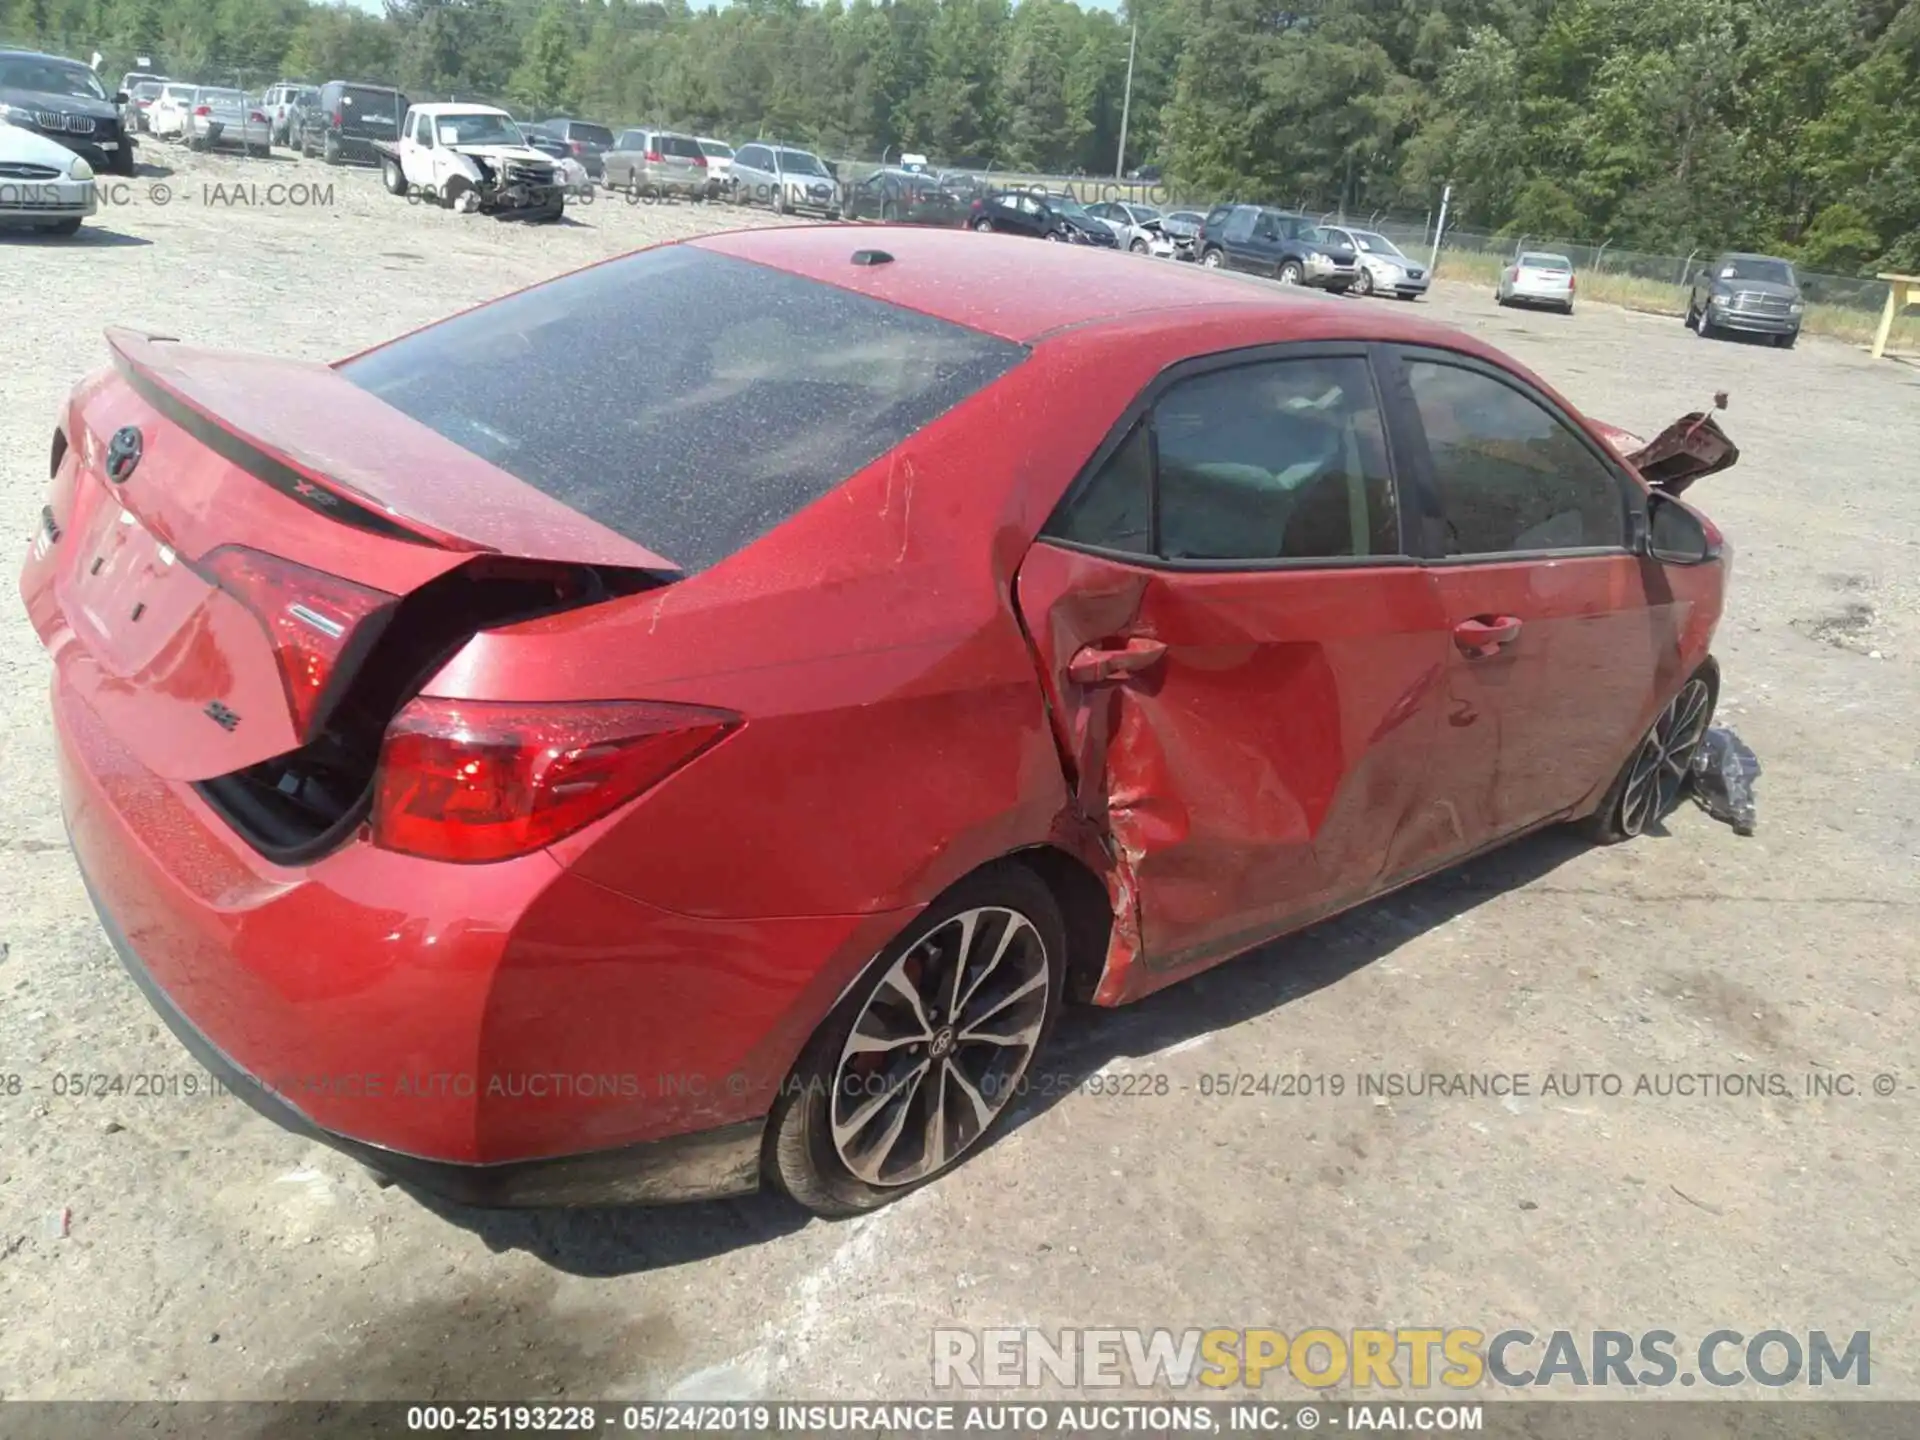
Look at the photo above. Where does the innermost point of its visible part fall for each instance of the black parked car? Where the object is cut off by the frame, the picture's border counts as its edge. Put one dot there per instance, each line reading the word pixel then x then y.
pixel 64 100
pixel 585 141
pixel 1045 217
pixel 1753 294
pixel 345 121
pixel 1290 248
pixel 907 196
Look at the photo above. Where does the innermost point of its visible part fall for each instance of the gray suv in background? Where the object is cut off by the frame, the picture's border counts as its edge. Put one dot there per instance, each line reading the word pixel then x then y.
pixel 1750 294
pixel 658 162
pixel 785 177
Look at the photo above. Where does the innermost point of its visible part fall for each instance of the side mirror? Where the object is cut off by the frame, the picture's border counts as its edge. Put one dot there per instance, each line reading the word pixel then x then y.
pixel 1675 535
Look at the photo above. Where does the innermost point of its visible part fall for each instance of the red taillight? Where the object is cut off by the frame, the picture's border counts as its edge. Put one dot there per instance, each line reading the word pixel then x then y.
pixel 471 781
pixel 701 161
pixel 310 618
pixel 203 110
pixel 578 147
pixel 652 157
pixel 337 119
pixel 1569 284
pixel 257 118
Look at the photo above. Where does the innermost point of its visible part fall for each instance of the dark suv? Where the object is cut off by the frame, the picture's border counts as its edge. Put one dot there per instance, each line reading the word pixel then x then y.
pixel 1757 294
pixel 1290 248
pixel 585 141
pixel 64 100
pixel 345 120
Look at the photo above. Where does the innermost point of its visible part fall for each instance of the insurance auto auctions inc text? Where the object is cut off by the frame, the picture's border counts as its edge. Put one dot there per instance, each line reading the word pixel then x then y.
pixel 1454 1358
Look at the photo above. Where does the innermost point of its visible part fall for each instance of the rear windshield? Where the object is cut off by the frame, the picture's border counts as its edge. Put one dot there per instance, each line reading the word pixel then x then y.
pixel 716 149
pixel 592 135
pixel 1551 263
pixel 361 100
pixel 799 162
pixel 682 146
pixel 689 401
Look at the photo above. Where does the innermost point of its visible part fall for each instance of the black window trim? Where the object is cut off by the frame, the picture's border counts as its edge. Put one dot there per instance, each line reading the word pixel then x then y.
pixel 1139 412
pixel 1410 435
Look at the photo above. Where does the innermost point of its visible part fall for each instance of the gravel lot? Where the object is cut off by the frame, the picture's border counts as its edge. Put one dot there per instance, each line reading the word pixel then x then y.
pixel 207 1255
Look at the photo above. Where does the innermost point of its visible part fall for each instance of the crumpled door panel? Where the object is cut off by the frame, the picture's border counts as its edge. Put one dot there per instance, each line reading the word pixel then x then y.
pixel 1255 774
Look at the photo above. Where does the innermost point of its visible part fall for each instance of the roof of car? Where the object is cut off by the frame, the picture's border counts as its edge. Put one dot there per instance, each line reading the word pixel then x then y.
pixel 451 107
pixel 1020 289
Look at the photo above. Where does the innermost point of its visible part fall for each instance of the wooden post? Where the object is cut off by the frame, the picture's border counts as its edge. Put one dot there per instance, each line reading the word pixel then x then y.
pixel 1900 291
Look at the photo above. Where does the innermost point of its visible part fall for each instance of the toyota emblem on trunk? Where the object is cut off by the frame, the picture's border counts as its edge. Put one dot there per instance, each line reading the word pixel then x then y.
pixel 123 453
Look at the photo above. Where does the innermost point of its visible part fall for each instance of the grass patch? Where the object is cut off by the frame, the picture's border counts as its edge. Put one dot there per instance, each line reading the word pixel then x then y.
pixel 1838 322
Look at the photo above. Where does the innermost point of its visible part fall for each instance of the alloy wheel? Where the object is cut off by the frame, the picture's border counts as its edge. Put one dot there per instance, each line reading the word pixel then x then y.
pixel 941 1046
pixel 1660 768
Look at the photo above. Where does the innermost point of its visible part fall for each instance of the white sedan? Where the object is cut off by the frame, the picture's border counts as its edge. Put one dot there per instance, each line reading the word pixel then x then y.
pixel 219 116
pixel 167 115
pixel 1537 278
pixel 43 184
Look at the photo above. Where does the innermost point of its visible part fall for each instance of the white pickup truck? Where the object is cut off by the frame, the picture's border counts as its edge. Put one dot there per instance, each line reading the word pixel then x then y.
pixel 471 158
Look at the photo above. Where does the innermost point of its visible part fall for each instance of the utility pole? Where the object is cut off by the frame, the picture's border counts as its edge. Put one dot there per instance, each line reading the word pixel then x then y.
pixel 1433 261
pixel 1126 104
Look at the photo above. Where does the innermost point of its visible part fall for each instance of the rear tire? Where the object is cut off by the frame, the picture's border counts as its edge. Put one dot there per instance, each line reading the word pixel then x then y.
pixel 1212 259
pixel 1652 781
pixel 984 227
pixel 330 149
pixel 69 226
pixel 1003 930
pixel 392 177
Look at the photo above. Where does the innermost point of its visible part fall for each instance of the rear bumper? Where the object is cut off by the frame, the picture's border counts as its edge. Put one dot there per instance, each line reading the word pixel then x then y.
pixel 504 1034
pixel 702 1165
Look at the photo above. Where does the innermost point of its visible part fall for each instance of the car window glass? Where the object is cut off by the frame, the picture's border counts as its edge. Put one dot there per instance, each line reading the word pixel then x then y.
pixel 1112 509
pixel 1240 225
pixel 1284 460
pixel 1511 475
pixel 745 392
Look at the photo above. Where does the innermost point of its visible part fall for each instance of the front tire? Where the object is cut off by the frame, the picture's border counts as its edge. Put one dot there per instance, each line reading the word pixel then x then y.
pixel 69 226
pixel 983 227
pixel 1212 260
pixel 392 178
pixel 1363 283
pixel 1652 781
pixel 1138 247
pixel 919 1066
pixel 1289 273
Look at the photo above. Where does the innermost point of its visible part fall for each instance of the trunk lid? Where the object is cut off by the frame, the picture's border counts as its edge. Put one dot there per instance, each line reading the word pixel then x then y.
pixel 221 521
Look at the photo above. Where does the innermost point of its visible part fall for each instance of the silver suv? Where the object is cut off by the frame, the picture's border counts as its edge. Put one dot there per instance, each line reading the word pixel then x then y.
pixel 785 177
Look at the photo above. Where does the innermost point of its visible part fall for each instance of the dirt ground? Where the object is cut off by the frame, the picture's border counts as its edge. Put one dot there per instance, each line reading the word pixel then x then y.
pixel 188 1249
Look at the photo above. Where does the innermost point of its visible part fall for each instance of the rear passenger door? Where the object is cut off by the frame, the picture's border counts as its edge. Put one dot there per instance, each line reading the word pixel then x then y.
pixel 1238 652
pixel 1562 632
pixel 1236 238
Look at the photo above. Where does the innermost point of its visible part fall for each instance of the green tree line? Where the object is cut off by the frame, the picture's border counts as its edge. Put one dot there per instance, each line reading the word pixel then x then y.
pixel 1667 125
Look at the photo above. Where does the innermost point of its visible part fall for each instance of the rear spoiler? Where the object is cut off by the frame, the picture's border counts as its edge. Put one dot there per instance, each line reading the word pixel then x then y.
pixel 1692 447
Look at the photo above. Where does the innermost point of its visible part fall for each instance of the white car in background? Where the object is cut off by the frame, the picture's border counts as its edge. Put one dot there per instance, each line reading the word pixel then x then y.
pixel 1385 269
pixel 1537 277
pixel 167 115
pixel 719 161
pixel 219 116
pixel 42 183
pixel 1136 225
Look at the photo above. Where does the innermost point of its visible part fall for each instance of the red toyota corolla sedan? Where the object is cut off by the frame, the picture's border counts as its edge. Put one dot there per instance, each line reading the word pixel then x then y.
pixel 694 722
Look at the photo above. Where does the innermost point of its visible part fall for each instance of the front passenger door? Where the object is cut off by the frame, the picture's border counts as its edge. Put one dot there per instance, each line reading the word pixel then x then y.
pixel 1241 661
pixel 1563 634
